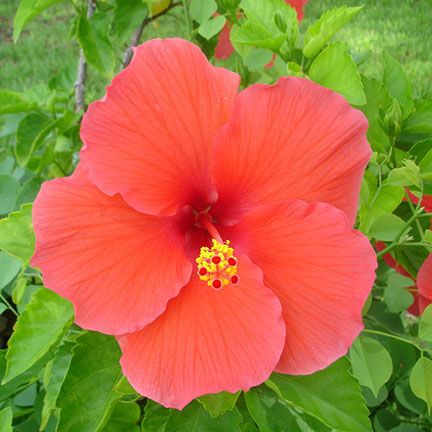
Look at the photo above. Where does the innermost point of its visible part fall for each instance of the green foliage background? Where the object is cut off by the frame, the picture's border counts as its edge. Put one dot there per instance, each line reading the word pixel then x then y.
pixel 57 377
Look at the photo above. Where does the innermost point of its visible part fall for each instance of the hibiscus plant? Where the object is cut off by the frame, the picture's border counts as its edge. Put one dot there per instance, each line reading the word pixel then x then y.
pixel 213 221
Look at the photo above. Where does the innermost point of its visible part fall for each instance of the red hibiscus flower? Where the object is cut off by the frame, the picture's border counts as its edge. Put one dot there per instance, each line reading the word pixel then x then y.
pixel 421 288
pixel 211 237
pixel 224 46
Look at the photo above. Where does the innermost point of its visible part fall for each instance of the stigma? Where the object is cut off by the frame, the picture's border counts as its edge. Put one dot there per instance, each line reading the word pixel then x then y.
pixel 217 265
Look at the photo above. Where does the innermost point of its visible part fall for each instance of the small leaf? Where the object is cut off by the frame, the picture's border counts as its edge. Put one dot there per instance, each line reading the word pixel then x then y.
pixel 404 176
pixel 320 395
pixel 194 418
pixel 425 325
pixel 420 120
pixel 128 15
pixel 202 10
pixel 92 37
pixel 28 10
pixel 371 362
pixel 155 418
pixel 386 227
pixel 212 27
pixel 9 187
pixel 88 390
pixel 54 375
pixel 12 102
pixel 30 134
pixel 6 420
pixel 319 33
pixel 397 83
pixel 9 268
pixel 421 381
pixel 397 299
pixel 334 68
pixel 39 327
pixel 16 233
pixel 217 404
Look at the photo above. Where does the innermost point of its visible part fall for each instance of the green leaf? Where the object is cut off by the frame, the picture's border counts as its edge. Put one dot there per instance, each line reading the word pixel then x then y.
pixel 425 325
pixel 421 380
pixel 124 417
pixel 6 420
pixel 31 132
pixel 425 164
pixel 89 387
pixel 202 10
pixel 9 187
pixel 319 33
pixel 269 412
pixel 371 363
pixel 217 404
pixel 28 192
pixel 155 418
pixel 40 326
pixel 404 176
pixel 385 201
pixel 128 15
pixel 212 27
pixel 335 69
pixel 397 83
pixel 12 102
pixel 195 418
pixel 92 37
pixel 386 227
pixel 320 395
pixel 9 268
pixel 260 29
pixel 16 233
pixel 420 120
pixel 398 299
pixel 27 10
pixel 54 375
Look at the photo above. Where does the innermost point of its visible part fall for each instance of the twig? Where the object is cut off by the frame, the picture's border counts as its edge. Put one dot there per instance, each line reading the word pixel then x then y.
pixel 80 85
pixel 139 31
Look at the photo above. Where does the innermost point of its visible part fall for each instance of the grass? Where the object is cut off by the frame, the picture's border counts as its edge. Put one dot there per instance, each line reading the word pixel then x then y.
pixel 400 26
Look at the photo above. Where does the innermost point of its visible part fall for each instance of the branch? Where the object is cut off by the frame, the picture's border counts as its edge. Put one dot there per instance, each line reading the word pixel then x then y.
pixel 139 31
pixel 80 84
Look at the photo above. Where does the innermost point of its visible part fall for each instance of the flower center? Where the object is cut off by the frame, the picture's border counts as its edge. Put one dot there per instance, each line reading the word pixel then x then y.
pixel 217 265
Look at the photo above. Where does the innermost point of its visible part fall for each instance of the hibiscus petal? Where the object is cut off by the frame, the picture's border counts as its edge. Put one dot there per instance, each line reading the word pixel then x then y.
pixel 321 270
pixel 207 341
pixel 424 284
pixel 117 266
pixel 293 140
pixel 149 138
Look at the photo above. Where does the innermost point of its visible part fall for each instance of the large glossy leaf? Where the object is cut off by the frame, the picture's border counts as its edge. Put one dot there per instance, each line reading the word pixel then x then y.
pixel 321 396
pixel 88 390
pixel 16 233
pixel 319 33
pixel 334 68
pixel 421 380
pixel 40 326
pixel 195 418
pixel 372 364
pixel 27 10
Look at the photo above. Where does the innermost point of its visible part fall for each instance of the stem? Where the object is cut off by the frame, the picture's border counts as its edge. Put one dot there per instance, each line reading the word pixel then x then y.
pixel 389 335
pixel 80 84
pixel 6 302
pixel 414 211
pixel 127 57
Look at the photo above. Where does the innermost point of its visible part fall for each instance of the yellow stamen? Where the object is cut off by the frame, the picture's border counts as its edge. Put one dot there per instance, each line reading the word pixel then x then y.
pixel 217 265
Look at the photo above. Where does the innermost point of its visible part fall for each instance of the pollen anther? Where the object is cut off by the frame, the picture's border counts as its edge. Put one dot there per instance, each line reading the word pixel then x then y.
pixel 217 265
